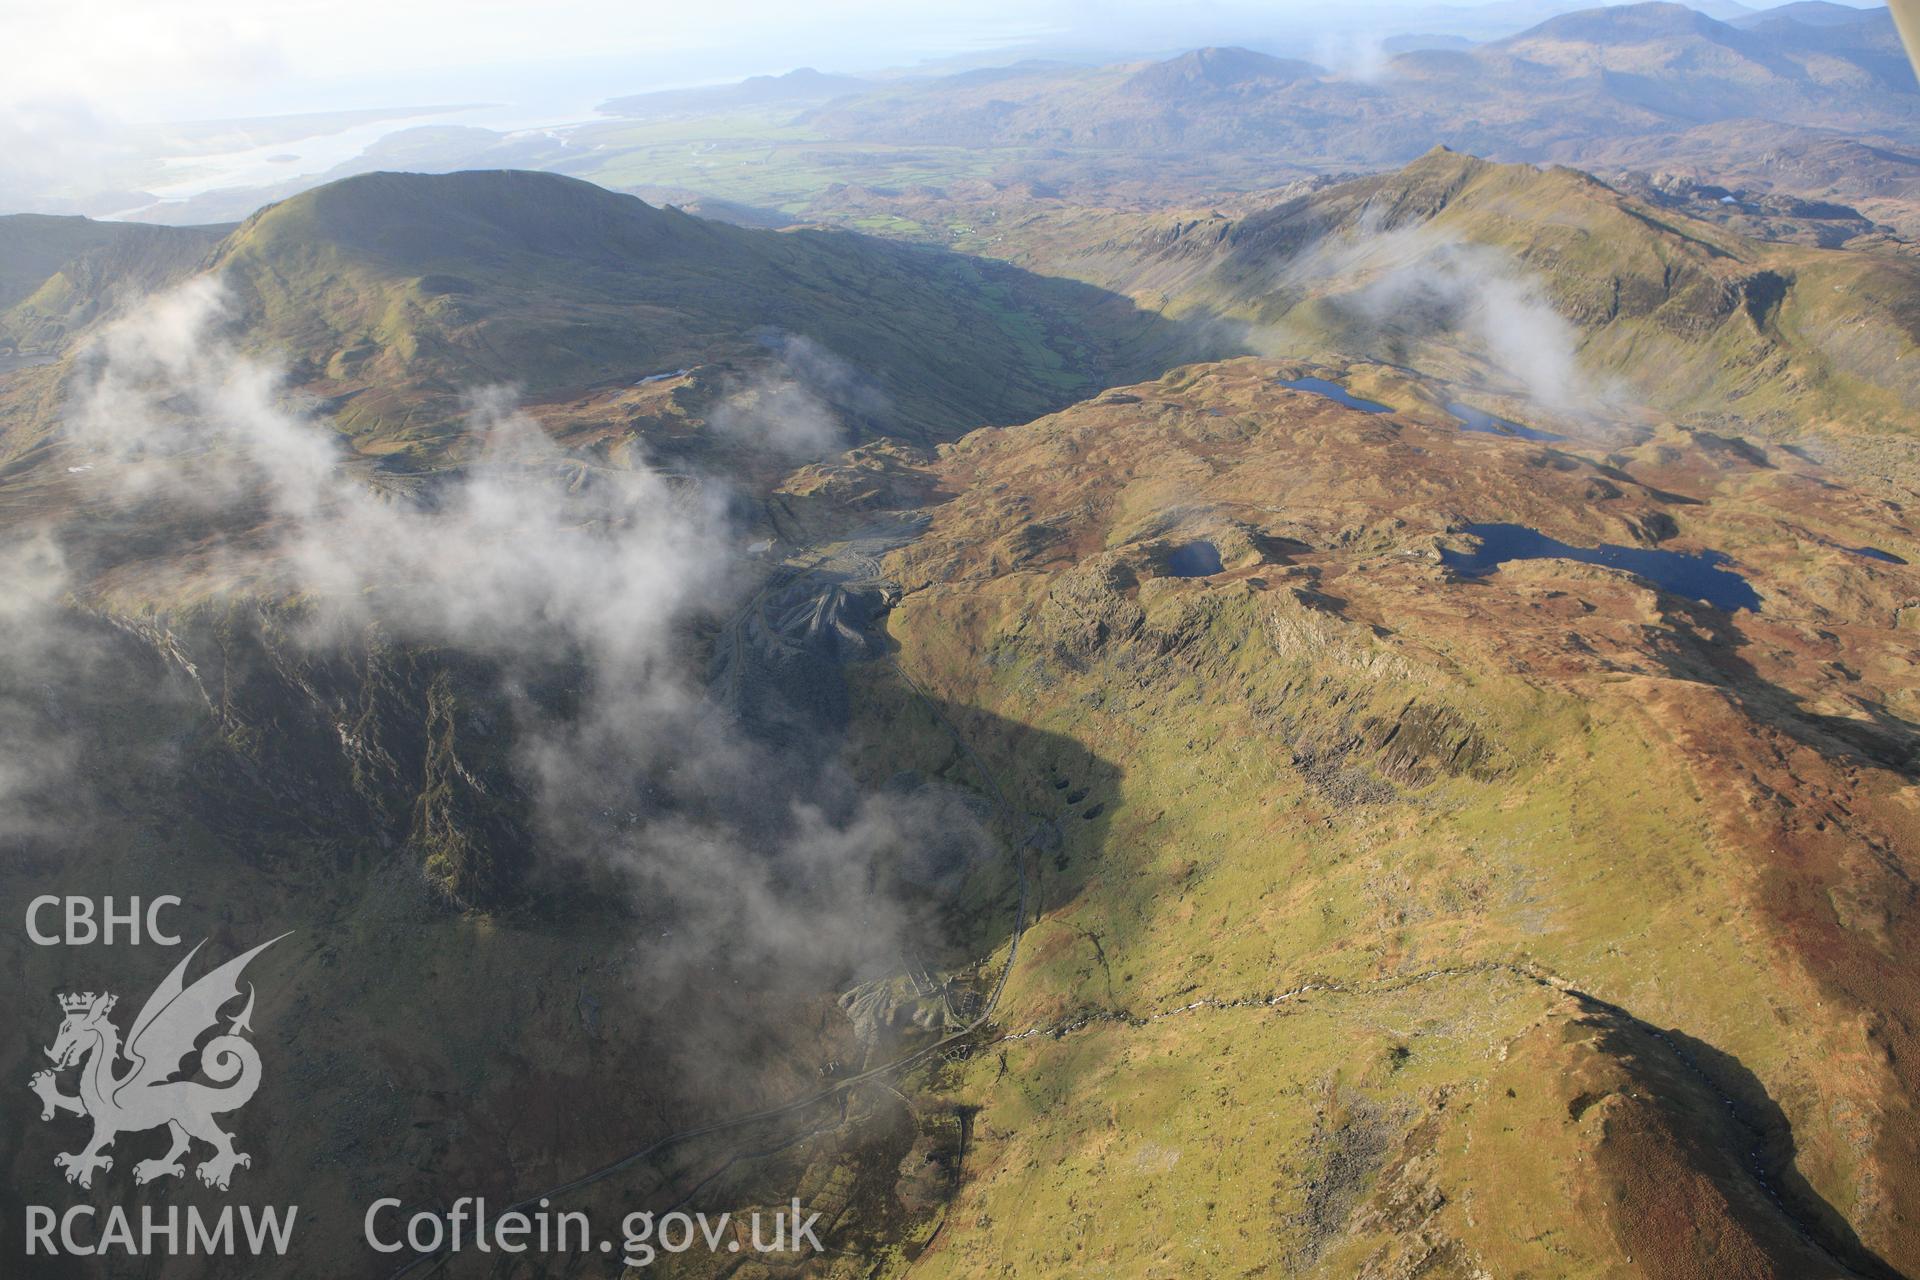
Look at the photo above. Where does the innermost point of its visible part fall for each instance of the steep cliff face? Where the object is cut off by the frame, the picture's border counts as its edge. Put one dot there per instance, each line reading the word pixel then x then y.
pixel 464 1004
pixel 401 748
pixel 74 273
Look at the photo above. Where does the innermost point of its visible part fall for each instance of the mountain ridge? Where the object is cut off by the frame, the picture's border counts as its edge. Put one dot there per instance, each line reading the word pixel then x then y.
pixel 559 286
pixel 1747 330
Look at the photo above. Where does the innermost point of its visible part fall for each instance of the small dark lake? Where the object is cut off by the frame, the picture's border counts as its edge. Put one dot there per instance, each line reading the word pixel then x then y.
pixel 1472 419
pixel 1698 575
pixel 1875 553
pixel 1195 560
pixel 1335 392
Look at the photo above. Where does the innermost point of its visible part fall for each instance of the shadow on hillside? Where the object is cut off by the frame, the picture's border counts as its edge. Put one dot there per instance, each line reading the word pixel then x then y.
pixel 1737 1123
pixel 1051 799
pixel 1087 339
pixel 1772 1160
pixel 418 1048
pixel 1712 655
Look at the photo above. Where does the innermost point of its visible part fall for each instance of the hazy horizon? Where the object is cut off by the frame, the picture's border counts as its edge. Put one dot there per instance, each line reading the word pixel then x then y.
pixel 148 105
pixel 175 62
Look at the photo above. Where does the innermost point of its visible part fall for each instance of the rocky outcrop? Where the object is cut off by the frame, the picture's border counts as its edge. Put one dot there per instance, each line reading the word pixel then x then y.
pixel 352 737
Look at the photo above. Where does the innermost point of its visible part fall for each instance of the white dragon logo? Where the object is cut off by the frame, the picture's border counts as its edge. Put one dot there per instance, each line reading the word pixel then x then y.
pixel 147 1095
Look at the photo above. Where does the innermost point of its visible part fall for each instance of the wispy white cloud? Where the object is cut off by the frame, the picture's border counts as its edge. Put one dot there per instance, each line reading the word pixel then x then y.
pixel 1420 281
pixel 536 563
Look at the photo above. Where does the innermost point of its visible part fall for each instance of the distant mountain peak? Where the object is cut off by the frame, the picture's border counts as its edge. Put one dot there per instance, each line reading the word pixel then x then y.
pixel 419 216
pixel 1624 24
pixel 1217 69
pixel 801 78
pixel 803 84
pixel 1810 13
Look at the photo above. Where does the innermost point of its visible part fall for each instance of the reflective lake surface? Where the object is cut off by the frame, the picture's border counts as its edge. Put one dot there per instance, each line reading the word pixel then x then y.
pixel 1195 560
pixel 1697 574
pixel 1335 392
pixel 1472 419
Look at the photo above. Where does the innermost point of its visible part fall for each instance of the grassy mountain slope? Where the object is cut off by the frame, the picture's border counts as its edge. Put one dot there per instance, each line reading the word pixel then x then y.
pixel 401 291
pixel 33 246
pixel 1381 921
pixel 1400 924
pixel 1696 320
pixel 58 275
